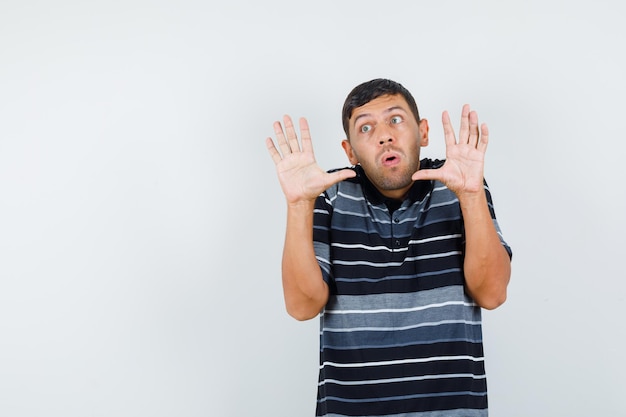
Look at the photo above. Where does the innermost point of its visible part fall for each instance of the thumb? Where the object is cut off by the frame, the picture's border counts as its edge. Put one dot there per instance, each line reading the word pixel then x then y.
pixel 425 174
pixel 334 177
pixel 343 174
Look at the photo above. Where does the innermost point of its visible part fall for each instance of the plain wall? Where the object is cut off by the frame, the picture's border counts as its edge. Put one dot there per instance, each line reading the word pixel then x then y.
pixel 141 221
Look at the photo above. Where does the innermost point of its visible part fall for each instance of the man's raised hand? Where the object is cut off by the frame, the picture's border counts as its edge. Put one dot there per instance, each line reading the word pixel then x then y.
pixel 300 177
pixel 463 169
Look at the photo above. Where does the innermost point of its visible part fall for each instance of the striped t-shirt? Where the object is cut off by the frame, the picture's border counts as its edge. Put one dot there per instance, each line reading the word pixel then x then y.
pixel 399 336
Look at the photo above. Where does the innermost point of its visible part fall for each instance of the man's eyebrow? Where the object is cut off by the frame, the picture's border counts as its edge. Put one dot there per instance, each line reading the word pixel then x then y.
pixel 389 110
pixel 360 116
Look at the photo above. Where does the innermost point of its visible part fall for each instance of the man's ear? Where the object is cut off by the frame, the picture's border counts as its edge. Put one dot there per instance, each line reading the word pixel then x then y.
pixel 423 132
pixel 347 148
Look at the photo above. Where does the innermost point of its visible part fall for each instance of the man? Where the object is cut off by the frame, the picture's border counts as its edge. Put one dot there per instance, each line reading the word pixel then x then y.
pixel 396 255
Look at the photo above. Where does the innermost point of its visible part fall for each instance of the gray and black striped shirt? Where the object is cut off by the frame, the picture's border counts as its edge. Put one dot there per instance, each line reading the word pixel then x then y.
pixel 399 336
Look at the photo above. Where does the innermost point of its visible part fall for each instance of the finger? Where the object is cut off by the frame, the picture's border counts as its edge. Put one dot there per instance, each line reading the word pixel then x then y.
pixel 484 138
pixel 426 174
pixel 473 129
pixel 292 137
pixel 305 133
pixel 341 175
pixel 464 129
pixel 280 138
pixel 271 148
pixel 448 130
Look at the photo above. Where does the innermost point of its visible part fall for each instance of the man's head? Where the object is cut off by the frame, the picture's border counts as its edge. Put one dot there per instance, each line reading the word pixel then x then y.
pixel 384 134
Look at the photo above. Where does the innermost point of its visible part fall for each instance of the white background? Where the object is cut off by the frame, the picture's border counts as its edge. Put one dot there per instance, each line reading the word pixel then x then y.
pixel 141 222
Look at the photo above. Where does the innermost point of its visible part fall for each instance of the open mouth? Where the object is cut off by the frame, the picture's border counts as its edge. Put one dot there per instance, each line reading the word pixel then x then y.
pixel 390 160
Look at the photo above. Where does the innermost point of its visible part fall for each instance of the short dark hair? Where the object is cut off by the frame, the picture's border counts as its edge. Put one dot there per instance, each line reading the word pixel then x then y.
pixel 368 91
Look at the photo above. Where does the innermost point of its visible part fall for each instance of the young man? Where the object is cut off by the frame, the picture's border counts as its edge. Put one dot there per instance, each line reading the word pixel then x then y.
pixel 396 254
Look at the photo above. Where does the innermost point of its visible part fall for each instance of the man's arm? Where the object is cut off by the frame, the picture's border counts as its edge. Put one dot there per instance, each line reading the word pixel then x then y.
pixel 305 291
pixel 487 265
pixel 302 181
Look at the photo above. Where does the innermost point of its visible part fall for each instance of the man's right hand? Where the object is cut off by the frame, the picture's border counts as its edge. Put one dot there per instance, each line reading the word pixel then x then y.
pixel 300 177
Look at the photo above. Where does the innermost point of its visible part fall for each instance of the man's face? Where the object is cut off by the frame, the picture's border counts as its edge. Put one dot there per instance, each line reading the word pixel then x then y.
pixel 385 139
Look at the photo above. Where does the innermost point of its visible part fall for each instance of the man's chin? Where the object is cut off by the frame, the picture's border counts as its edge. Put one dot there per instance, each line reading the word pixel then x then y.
pixel 395 184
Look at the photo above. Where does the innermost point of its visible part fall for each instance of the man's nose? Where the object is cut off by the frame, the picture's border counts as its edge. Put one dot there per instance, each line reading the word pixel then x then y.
pixel 384 134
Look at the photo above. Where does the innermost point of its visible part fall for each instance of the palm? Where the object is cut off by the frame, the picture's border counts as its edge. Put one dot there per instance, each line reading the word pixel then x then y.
pixel 463 169
pixel 300 177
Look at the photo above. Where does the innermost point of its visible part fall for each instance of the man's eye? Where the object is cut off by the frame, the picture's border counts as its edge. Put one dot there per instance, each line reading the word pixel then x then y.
pixel 395 120
pixel 366 128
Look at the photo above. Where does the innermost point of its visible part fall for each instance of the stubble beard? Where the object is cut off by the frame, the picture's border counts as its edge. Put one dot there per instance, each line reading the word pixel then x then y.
pixel 398 178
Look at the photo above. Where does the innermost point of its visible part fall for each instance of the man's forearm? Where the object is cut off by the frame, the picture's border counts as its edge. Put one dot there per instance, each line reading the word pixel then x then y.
pixel 487 265
pixel 304 289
